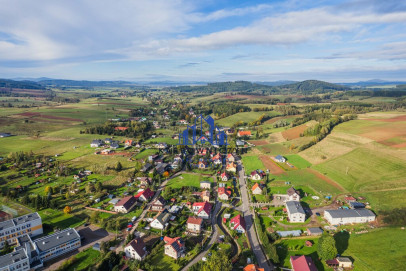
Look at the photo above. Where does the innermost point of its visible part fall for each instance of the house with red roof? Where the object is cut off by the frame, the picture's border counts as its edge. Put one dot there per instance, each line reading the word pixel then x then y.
pixel 202 164
pixel 194 224
pixel 243 133
pixel 120 128
pixel 174 247
pixel 230 158
pixel 136 249
pixel 257 175
pixel 232 167
pixel 224 193
pixel 253 267
pixel 125 205
pixel 202 209
pixel 128 143
pixel 350 199
pixel 237 223
pixel 256 189
pixel 4 216
pixel 302 263
pixel 224 176
pixel 144 195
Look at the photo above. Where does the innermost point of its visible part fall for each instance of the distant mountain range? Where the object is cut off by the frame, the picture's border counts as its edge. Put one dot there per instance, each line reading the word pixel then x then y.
pixel 304 86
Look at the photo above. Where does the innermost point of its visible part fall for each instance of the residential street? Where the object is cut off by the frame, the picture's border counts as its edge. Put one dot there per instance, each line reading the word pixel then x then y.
pixel 252 236
pixel 213 237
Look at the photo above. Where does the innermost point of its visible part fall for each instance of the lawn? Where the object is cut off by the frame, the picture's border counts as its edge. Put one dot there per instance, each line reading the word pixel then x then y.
pixel 185 180
pixel 380 250
pixel 163 262
pixel 59 219
pixel 84 259
pixel 166 140
pixel 252 163
pixel 363 169
pixel 296 247
pixel 384 200
pixel 145 153
pixel 297 161
pixel 274 149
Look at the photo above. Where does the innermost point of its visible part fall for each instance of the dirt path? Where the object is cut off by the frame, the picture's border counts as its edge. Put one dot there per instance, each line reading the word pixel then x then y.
pixel 326 179
pixel 269 164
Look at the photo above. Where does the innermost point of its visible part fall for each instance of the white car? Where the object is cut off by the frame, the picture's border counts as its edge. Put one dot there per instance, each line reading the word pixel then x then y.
pixel 134 218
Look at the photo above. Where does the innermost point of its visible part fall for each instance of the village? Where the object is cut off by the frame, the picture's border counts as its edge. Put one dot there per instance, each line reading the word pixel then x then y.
pixel 182 200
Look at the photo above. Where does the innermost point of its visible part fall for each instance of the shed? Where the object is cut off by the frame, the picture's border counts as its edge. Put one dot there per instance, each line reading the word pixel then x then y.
pixel 294 233
pixel 314 231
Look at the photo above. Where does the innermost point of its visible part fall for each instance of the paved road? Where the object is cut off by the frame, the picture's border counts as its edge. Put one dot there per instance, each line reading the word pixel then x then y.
pixel 252 236
pixel 213 237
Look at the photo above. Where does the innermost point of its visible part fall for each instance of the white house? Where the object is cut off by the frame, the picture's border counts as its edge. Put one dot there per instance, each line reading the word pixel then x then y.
pixel 348 216
pixel 280 159
pixel 293 194
pixel 161 220
pixel 136 249
pixel 256 189
pixel 205 184
pixel 237 223
pixel 295 211
pixel 202 209
pixel 96 143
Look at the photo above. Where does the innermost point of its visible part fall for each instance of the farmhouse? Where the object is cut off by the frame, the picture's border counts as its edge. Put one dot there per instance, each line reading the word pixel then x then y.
pixel 174 247
pixel 293 194
pixel 224 193
pixel 295 211
pixel 237 223
pixel 202 209
pixel 96 143
pixel 205 184
pixel 136 249
pixel 158 204
pixel 302 263
pixel 125 205
pixel 194 224
pixel 160 221
pixel 256 189
pixel 348 216
pixel 243 133
pixel 280 159
pixel 144 195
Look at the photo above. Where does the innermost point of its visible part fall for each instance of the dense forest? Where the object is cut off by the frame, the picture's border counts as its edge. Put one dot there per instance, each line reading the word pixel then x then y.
pixel 5 83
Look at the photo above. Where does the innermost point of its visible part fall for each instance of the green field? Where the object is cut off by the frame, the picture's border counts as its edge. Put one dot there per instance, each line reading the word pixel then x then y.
pixel 274 149
pixel 252 163
pixel 163 262
pixel 145 153
pixel 363 169
pixel 84 259
pixel 380 250
pixel 244 116
pixel 59 219
pixel 297 161
pixel 385 200
pixel 185 180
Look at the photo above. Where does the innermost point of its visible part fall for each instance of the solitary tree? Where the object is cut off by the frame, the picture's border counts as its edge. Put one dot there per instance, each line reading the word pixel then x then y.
pixel 327 247
pixel 119 166
pixel 67 209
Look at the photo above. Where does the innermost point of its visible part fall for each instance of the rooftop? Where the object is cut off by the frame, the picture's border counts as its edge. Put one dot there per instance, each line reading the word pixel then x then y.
pixel 19 220
pixel 349 213
pixel 13 257
pixel 294 207
pixel 56 239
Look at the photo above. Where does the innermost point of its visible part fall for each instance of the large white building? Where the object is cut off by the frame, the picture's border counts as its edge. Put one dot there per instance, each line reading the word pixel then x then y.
pixel 295 212
pixel 29 254
pixel 348 216
pixel 11 229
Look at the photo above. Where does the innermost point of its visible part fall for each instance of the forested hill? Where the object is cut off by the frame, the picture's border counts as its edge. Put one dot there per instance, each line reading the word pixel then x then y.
pixel 237 86
pixel 313 85
pixel 6 83
pixel 305 87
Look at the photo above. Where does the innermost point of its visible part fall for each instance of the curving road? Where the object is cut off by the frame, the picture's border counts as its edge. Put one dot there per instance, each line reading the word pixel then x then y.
pixel 213 237
pixel 252 235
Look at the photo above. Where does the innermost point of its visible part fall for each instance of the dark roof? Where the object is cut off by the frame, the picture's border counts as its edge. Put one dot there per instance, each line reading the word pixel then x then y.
pixel 146 167
pixel 294 207
pixel 159 201
pixel 340 213
pixel 13 257
pixel 356 204
pixel 163 217
pixel 56 239
pixel 291 191
pixel 19 220
pixel 139 246
pixel 315 230
pixel 127 202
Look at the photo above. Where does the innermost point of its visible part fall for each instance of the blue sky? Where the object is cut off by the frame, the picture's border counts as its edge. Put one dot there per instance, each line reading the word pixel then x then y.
pixel 203 40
